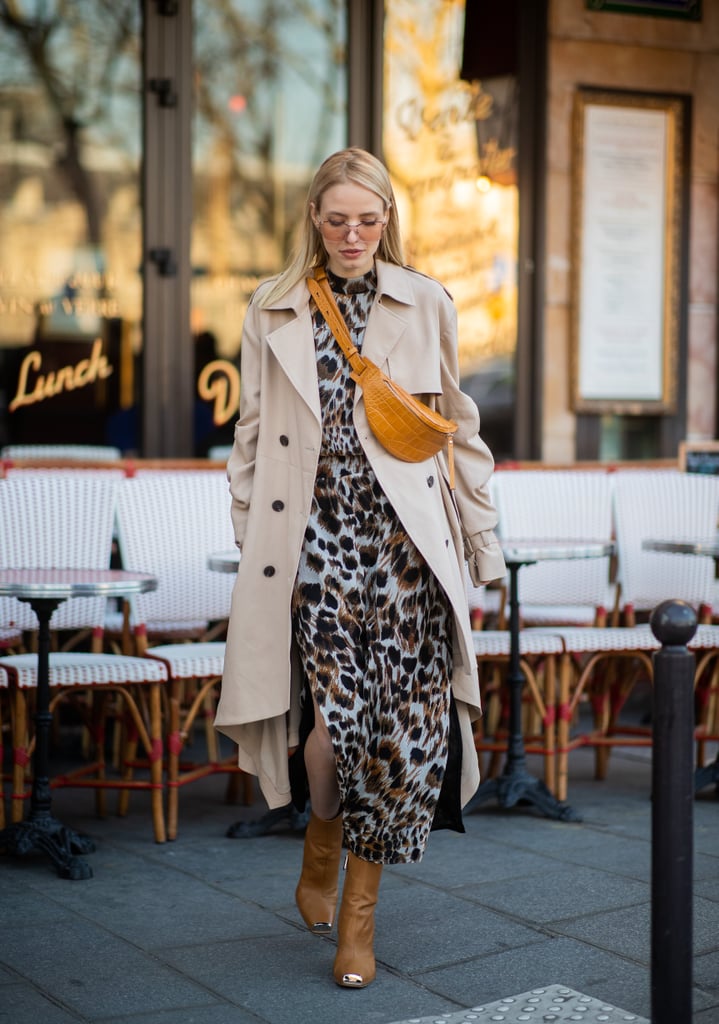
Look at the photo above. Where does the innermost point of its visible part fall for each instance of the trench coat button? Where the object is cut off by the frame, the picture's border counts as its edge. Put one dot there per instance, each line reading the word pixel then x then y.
pixel 278 505
pixel 269 570
pixel 284 440
pixel 430 481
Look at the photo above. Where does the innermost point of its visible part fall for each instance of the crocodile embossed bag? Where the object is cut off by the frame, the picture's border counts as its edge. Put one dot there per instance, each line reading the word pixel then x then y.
pixel 406 427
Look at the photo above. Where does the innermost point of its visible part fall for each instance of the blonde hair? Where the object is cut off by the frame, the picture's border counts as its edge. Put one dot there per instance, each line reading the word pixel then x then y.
pixel 355 166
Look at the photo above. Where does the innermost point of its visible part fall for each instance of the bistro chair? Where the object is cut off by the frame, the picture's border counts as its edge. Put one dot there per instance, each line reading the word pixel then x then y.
pixel 562 505
pixel 539 505
pixel 169 522
pixel 539 654
pixel 4 717
pixel 607 664
pixel 66 520
pixel 65 452
pixel 11 642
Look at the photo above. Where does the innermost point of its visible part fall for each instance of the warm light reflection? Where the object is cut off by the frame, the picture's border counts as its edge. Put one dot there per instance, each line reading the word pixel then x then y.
pixel 457 199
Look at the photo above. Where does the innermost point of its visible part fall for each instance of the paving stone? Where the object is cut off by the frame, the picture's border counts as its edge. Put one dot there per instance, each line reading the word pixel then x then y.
pixel 555 1003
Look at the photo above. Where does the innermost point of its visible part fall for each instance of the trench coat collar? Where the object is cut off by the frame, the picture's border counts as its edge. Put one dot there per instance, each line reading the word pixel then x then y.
pixel 293 343
pixel 392 280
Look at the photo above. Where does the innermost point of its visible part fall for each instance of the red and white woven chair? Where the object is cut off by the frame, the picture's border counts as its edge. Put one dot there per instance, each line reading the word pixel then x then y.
pixel 561 506
pixel 70 452
pixel 169 522
pixel 65 519
pixel 4 703
pixel 539 652
pixel 606 664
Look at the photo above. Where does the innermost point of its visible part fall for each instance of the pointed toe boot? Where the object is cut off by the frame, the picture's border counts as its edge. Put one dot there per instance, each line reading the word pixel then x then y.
pixel 316 894
pixel 354 965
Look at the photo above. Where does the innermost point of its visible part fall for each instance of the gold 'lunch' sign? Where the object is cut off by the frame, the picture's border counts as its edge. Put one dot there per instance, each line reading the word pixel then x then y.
pixel 34 386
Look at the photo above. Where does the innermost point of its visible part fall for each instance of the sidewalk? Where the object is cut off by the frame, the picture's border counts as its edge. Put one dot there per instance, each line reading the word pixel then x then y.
pixel 204 930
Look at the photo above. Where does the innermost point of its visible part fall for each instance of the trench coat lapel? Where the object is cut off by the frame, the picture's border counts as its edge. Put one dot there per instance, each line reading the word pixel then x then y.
pixel 294 348
pixel 387 322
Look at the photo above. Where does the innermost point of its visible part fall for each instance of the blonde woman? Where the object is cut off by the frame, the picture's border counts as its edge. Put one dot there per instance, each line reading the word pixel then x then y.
pixel 349 637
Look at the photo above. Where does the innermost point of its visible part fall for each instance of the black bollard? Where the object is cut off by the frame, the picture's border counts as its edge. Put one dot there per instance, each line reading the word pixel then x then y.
pixel 673 624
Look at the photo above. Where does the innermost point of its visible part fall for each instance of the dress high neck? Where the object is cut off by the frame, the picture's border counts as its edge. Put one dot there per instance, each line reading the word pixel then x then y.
pixel 353 285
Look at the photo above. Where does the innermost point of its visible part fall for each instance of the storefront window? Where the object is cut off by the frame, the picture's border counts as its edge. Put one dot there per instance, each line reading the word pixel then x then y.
pixel 270 88
pixel 450 146
pixel 70 225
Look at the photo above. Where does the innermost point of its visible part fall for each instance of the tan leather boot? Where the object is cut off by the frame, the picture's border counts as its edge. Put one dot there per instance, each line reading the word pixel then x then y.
pixel 316 894
pixel 354 963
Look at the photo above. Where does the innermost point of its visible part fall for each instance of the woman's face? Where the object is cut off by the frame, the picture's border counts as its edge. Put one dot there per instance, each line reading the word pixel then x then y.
pixel 350 250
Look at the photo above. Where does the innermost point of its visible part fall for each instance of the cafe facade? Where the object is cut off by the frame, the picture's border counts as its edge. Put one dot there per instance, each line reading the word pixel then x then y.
pixel 555 164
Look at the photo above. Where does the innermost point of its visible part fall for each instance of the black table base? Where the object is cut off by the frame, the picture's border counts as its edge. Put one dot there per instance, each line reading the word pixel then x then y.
pixel 41 833
pixel 50 837
pixel 516 785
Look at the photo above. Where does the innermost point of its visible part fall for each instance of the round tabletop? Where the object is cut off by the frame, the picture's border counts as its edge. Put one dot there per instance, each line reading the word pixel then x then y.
pixel 522 552
pixel 709 546
pixel 64 583
pixel 224 561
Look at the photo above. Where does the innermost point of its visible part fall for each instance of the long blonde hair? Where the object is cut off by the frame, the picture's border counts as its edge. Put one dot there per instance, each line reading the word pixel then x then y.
pixel 357 167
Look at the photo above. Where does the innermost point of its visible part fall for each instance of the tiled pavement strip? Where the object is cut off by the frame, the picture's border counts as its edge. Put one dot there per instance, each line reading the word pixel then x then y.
pixel 204 930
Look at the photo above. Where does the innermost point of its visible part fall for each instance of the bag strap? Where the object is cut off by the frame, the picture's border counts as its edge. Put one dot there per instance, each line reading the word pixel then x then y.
pixel 321 292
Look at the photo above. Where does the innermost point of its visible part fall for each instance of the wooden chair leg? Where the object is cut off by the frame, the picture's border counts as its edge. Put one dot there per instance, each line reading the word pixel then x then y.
pixel 99 710
pixel 2 776
pixel 156 764
pixel 20 756
pixel 174 748
pixel 549 725
pixel 129 756
pixel 566 669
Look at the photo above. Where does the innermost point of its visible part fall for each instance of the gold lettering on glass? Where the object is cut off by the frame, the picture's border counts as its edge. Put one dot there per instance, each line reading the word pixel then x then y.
pixel 219 382
pixel 34 386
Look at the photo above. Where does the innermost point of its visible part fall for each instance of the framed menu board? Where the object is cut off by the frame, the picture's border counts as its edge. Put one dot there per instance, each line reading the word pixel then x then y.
pixel 626 245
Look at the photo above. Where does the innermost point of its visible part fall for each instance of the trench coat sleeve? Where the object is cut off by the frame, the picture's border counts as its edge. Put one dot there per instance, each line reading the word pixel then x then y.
pixel 241 463
pixel 472 460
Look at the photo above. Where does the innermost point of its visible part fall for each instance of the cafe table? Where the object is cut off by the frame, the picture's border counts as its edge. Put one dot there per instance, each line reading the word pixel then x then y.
pixel 44 590
pixel 706 547
pixel 516 784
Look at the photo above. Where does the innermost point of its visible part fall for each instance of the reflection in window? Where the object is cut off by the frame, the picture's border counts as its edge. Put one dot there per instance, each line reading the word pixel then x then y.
pixel 270 84
pixel 450 146
pixel 69 220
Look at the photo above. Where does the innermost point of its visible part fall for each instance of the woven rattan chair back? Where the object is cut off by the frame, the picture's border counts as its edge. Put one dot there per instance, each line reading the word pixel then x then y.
pixel 664 505
pixel 558 505
pixel 168 523
pixel 57 519
pixel 73 452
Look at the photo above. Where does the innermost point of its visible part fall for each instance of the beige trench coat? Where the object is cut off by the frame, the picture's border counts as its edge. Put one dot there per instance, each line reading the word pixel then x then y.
pixel 412 334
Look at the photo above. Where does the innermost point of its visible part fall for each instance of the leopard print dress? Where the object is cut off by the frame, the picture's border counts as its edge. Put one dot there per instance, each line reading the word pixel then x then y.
pixel 372 626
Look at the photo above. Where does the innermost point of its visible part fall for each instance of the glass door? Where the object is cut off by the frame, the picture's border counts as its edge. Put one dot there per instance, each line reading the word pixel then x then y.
pixel 269 105
pixel 70 223
pixel 451 148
